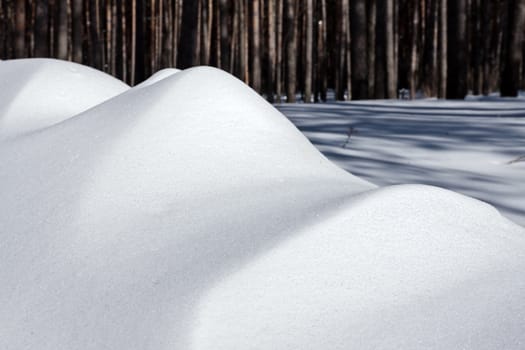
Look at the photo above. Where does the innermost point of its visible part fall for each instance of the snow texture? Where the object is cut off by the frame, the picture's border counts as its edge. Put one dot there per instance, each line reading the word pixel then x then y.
pixel 475 147
pixel 188 213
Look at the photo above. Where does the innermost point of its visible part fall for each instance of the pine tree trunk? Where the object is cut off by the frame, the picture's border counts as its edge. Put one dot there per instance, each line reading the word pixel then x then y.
pixel 390 52
pixel 514 50
pixel 41 30
pixel 189 34
pixel 371 40
pixel 279 51
pixel 414 50
pixel 457 49
pixel 256 47
pixel 291 51
pixel 271 59
pixel 442 48
pixel 309 51
pixel 20 18
pixel 359 45
pixel 380 50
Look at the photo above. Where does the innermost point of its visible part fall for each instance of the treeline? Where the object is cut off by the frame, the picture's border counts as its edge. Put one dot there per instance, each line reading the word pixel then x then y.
pixel 360 48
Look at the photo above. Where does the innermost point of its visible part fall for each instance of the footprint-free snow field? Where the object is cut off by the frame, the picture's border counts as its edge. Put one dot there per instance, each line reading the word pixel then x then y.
pixel 188 213
pixel 475 147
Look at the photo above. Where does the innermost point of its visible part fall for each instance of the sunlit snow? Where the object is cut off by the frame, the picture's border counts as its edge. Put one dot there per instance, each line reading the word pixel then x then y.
pixel 188 213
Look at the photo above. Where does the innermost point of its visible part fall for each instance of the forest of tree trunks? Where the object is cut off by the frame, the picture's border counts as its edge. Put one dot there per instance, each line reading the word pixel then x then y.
pixel 287 49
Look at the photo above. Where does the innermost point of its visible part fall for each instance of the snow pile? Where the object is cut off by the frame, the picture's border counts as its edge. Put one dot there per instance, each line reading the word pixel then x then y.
pixel 37 93
pixel 187 213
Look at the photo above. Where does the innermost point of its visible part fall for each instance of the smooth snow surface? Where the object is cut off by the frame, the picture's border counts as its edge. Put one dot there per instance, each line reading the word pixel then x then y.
pixel 37 93
pixel 471 146
pixel 190 214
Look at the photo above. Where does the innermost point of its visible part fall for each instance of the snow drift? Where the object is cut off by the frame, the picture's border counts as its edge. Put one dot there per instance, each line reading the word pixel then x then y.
pixel 187 213
pixel 37 93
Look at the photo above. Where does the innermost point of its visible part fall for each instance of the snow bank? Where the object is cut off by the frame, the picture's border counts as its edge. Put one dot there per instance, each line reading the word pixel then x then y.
pixel 37 93
pixel 190 214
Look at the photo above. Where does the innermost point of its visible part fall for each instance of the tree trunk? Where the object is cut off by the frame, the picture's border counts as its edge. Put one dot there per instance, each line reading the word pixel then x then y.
pixel 279 51
pixel 20 18
pixel 359 45
pixel 189 34
pixel 442 48
pixel 457 49
pixel 372 42
pixel 271 59
pixel 309 51
pixel 414 50
pixel 514 48
pixel 41 30
pixel 340 82
pixel 390 51
pixel 291 50
pixel 256 47
pixel 380 50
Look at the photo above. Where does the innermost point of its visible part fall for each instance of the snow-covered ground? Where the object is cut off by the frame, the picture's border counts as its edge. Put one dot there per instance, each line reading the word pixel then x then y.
pixel 472 147
pixel 188 213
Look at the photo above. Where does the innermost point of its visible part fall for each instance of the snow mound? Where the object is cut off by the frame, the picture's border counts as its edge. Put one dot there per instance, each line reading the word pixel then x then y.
pixel 401 267
pixel 41 92
pixel 190 214
pixel 158 76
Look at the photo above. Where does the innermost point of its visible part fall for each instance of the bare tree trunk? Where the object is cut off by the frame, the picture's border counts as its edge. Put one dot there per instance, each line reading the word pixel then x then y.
pixel 359 45
pixel 256 47
pixel 279 51
pixel 271 60
pixel 514 48
pixel 380 50
pixel 442 48
pixel 390 51
pixel 340 82
pixel 243 41
pixel 20 32
pixel 76 30
pixel 309 51
pixel 41 30
pixel 291 50
pixel 189 34
pixel 414 50
pixel 371 40
pixel 457 52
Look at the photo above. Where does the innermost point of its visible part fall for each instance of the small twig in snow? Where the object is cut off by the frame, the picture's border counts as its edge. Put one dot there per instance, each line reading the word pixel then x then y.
pixel 519 159
pixel 348 135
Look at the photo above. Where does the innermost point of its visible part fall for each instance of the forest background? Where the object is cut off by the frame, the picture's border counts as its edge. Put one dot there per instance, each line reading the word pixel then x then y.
pixel 287 49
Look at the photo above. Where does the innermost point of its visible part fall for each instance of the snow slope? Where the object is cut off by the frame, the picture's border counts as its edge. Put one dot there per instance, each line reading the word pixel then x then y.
pixel 465 146
pixel 37 93
pixel 190 214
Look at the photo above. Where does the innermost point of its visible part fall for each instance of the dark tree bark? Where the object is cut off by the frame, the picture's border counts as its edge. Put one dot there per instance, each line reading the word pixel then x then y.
pixel 271 54
pixel 189 33
pixel 359 45
pixel 41 30
pixel 76 30
pixel 442 48
pixel 256 47
pixel 514 48
pixel 372 43
pixel 20 32
pixel 279 51
pixel 309 51
pixel 380 74
pixel 340 82
pixel 457 49
pixel 291 50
